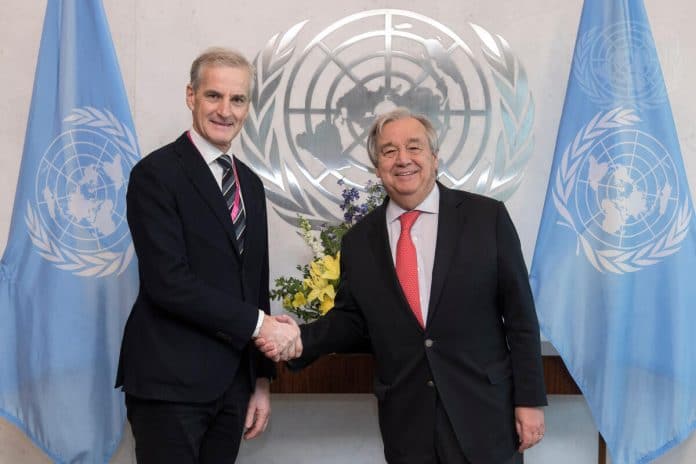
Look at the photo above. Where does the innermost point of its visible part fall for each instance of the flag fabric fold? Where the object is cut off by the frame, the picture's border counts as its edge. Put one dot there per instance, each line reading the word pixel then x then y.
pixel 68 275
pixel 615 256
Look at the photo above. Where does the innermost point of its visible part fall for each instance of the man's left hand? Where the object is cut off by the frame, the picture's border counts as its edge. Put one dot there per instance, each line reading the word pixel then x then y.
pixel 259 410
pixel 529 422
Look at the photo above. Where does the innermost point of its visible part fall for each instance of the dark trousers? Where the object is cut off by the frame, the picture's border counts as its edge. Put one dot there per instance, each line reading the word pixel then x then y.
pixel 447 446
pixel 190 433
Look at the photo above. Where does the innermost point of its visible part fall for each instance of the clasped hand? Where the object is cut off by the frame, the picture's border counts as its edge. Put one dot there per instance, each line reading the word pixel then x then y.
pixel 279 338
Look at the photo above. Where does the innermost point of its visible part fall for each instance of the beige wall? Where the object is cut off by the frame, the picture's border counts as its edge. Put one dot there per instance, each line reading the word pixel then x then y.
pixel 155 42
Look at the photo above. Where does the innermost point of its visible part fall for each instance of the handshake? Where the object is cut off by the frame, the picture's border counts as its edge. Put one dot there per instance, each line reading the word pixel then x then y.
pixel 279 338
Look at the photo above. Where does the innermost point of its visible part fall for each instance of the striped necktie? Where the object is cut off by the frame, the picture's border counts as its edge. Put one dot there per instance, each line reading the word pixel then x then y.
pixel 233 199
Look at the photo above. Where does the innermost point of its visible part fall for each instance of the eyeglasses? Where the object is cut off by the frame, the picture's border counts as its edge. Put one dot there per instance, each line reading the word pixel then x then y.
pixel 390 151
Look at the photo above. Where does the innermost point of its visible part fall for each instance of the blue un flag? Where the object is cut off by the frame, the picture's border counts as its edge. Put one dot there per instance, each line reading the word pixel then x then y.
pixel 68 276
pixel 613 269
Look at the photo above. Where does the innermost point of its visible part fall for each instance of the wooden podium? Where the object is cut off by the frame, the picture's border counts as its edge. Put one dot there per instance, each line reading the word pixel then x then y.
pixel 354 373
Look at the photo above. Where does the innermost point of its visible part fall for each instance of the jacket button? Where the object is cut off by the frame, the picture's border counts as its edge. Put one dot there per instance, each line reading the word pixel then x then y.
pixel 430 383
pixel 429 343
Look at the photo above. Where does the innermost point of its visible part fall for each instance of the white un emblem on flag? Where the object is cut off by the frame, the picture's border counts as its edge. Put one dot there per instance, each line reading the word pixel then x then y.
pixel 601 66
pixel 618 189
pixel 78 220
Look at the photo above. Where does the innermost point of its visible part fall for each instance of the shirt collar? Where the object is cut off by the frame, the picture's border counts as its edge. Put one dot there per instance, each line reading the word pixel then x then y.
pixel 209 151
pixel 430 205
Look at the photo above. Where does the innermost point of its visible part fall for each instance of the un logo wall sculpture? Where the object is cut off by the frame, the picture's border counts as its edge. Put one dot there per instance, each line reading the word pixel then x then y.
pixel 312 109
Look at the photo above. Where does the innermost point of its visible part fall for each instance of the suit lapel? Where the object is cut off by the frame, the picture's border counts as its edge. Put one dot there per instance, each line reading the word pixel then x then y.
pixel 203 181
pixel 379 241
pixel 449 226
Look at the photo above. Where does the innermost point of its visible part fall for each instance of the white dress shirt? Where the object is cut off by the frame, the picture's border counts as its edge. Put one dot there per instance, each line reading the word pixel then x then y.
pixel 210 155
pixel 424 236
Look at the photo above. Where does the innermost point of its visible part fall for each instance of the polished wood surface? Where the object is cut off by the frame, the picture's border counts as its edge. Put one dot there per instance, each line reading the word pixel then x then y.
pixel 336 373
pixel 601 450
pixel 556 377
pixel 353 373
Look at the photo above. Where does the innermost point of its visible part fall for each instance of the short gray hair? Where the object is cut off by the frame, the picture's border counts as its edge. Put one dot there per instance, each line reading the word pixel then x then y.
pixel 395 115
pixel 219 56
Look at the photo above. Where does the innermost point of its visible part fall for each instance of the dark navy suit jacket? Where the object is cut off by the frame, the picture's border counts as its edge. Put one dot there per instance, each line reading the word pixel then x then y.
pixel 191 325
pixel 480 349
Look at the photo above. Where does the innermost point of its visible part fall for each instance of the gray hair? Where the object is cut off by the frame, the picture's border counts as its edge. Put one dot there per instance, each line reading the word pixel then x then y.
pixel 219 56
pixel 395 115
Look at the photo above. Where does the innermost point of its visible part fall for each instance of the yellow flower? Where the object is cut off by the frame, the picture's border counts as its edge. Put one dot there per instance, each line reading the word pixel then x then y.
pixel 332 268
pixel 330 291
pixel 315 269
pixel 287 302
pixel 326 304
pixel 320 288
pixel 299 300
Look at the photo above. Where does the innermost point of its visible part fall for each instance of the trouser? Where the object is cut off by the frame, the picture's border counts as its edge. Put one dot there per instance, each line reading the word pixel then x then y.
pixel 191 433
pixel 447 446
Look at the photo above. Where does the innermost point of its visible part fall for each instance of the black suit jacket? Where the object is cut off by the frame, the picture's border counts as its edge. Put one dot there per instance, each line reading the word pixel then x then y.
pixel 479 351
pixel 191 324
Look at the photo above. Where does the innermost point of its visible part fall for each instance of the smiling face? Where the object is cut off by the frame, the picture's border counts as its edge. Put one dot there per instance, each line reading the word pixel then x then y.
pixel 220 103
pixel 405 163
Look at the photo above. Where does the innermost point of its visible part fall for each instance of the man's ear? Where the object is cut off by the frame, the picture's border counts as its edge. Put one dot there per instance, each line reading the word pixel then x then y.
pixel 190 94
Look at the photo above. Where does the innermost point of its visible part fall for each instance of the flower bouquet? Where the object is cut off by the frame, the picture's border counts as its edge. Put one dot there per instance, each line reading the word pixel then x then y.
pixel 313 295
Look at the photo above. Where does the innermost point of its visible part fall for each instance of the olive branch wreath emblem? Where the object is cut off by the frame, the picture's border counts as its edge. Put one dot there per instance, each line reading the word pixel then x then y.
pixel 608 259
pixel 515 142
pixel 85 264
pixel 499 178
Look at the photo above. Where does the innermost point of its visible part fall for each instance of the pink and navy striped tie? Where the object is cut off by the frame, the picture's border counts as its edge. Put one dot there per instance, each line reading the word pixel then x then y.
pixel 233 199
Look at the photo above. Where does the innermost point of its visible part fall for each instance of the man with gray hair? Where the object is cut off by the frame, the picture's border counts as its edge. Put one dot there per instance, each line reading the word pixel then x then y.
pixel 194 381
pixel 435 282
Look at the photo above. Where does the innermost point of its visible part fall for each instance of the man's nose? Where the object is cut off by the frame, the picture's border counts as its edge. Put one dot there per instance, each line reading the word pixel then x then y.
pixel 224 108
pixel 402 156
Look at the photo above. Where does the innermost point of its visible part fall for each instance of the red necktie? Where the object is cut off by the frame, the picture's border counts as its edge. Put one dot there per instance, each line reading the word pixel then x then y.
pixel 407 264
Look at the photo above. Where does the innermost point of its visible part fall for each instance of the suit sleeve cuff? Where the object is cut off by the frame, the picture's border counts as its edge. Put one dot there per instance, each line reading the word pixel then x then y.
pixel 259 322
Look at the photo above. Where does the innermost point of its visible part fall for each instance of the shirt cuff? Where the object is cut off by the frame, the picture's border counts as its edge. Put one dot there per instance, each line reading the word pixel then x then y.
pixel 259 323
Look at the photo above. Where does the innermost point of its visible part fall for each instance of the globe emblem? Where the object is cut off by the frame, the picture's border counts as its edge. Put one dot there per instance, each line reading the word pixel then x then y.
pixel 80 192
pixel 369 63
pixel 619 64
pixel 363 65
pixel 627 193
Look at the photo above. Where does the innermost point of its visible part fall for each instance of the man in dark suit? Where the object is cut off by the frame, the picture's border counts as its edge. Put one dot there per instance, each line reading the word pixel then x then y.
pixel 194 382
pixel 435 283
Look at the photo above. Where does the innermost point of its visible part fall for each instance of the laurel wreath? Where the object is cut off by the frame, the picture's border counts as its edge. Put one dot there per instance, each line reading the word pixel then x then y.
pixel 611 260
pixel 85 264
pixel 582 68
pixel 260 144
pixel 515 142
pixel 282 186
